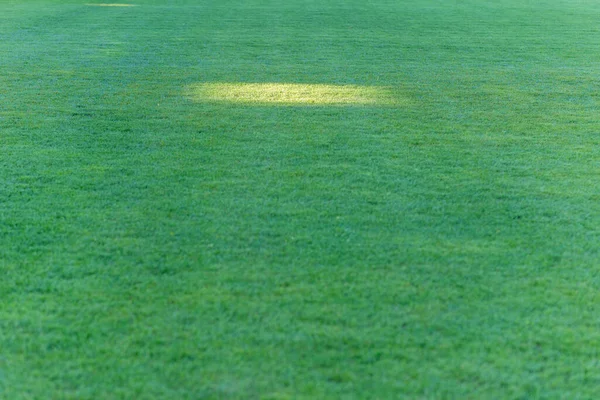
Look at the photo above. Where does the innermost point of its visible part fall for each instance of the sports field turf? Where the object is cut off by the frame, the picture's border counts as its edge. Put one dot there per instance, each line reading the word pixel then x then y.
pixel 300 199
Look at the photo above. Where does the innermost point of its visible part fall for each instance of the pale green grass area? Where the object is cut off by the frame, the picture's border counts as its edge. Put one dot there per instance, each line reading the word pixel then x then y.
pixel 111 5
pixel 268 199
pixel 290 94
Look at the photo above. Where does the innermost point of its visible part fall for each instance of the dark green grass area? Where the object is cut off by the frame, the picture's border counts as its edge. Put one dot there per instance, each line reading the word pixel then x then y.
pixel 155 244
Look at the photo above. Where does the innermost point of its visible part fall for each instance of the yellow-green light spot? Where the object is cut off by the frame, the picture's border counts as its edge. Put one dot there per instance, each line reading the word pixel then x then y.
pixel 290 94
pixel 111 5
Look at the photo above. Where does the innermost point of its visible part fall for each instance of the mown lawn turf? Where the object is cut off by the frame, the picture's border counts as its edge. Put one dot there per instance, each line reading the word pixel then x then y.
pixel 268 199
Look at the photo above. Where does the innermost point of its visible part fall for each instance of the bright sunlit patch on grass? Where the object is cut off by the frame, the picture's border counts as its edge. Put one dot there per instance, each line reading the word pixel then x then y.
pixel 112 5
pixel 291 94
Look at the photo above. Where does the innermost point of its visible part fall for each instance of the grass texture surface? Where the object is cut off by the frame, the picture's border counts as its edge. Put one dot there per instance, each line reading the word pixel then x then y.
pixel 268 199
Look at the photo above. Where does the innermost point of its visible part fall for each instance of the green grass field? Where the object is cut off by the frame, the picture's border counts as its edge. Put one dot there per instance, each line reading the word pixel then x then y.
pixel 300 199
